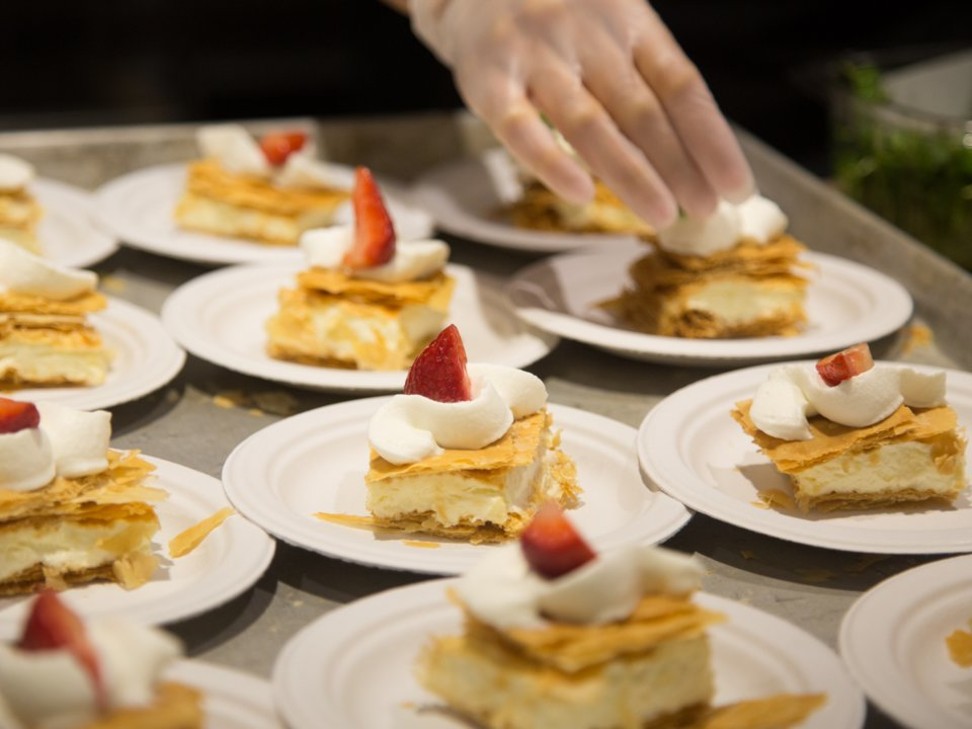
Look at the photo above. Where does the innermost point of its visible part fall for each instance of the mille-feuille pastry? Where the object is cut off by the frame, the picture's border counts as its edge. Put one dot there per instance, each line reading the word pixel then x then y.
pixel 734 274
pixel 367 300
pixel 555 635
pixel 71 510
pixel 466 452
pixel 19 210
pixel 269 191
pixel 46 338
pixel 67 673
pixel 854 434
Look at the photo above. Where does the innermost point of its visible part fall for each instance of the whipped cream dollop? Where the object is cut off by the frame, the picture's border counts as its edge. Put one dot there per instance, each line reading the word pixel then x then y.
pixel 15 173
pixel 756 219
pixel 409 428
pixel 239 153
pixel 50 688
pixel 795 392
pixel 21 272
pixel 503 591
pixel 68 443
pixel 413 259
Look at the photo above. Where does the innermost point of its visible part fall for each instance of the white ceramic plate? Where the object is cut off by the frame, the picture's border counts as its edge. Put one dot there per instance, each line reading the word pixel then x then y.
pixel 145 359
pixel 229 561
pixel 893 641
pixel 327 673
pixel 692 449
pixel 138 208
pixel 316 462
pixel 67 232
pixel 220 317
pixel 232 699
pixel 463 197
pixel 846 303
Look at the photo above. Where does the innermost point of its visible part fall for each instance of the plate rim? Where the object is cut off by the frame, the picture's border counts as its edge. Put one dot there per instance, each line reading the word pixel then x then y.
pixel 670 517
pixel 228 683
pixel 682 482
pixel 54 194
pixel 897 303
pixel 312 377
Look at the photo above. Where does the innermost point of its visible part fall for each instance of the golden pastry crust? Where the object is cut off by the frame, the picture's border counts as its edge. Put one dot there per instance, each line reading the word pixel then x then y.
pixel 435 291
pixel 223 203
pixel 175 706
pixel 87 303
pixel 50 351
pixel 666 285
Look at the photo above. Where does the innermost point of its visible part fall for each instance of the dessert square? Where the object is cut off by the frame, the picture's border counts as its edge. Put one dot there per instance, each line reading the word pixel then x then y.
pixel 19 210
pixel 45 336
pixel 243 189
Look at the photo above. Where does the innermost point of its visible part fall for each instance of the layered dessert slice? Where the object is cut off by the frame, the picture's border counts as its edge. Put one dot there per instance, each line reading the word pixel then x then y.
pixel 45 336
pixel 367 300
pixel 19 210
pixel 269 191
pixel 100 674
pixel 466 452
pixel 71 510
pixel 851 433
pixel 734 274
pixel 556 635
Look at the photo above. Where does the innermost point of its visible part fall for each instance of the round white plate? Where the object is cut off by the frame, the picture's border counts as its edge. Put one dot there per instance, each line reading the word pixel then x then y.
pixel 846 303
pixel 893 641
pixel 327 673
pixel 231 699
pixel 316 462
pixel 228 561
pixel 145 359
pixel 220 317
pixel 692 449
pixel 67 231
pixel 463 197
pixel 138 208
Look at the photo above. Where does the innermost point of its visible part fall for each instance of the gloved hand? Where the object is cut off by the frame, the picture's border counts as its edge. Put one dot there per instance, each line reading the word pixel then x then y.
pixel 611 78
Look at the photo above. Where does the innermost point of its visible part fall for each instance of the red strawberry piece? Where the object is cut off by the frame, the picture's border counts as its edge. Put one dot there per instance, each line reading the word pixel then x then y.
pixel 439 372
pixel 374 232
pixel 16 415
pixel 52 625
pixel 847 363
pixel 551 545
pixel 278 146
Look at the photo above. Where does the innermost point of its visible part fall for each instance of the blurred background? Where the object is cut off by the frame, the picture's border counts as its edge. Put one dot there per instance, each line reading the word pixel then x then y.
pixel 70 64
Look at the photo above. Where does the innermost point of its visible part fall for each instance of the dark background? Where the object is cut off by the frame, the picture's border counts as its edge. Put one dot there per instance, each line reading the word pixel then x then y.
pixel 68 63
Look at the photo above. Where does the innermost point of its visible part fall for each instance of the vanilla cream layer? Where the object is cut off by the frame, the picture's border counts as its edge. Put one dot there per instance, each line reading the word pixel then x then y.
pixel 460 497
pixel 626 693
pixel 69 546
pixel 225 219
pixel 885 470
pixel 371 337
pixel 42 364
pixel 736 302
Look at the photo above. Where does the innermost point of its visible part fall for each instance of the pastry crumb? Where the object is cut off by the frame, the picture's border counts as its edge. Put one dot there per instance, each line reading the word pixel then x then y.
pixel 186 541
pixel 960 647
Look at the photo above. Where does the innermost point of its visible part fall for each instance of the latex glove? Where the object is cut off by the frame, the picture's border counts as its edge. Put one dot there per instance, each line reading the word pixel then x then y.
pixel 611 78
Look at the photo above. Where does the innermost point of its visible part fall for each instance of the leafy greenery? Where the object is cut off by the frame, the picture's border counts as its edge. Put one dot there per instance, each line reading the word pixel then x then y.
pixel 920 179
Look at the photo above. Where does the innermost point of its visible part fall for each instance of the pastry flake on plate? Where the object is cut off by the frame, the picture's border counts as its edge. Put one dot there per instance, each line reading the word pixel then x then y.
pixel 367 300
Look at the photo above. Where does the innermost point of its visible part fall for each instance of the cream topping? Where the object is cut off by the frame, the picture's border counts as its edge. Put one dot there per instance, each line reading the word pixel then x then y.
pixel 503 591
pixel 21 272
pixel 239 153
pixel 68 443
pixel 51 689
pixel 413 260
pixel 15 173
pixel 793 393
pixel 409 428
pixel 756 219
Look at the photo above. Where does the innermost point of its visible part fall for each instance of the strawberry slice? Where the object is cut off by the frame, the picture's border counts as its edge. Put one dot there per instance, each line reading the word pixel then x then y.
pixel 439 372
pixel 52 625
pixel 374 232
pixel 551 545
pixel 16 415
pixel 847 363
pixel 278 146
